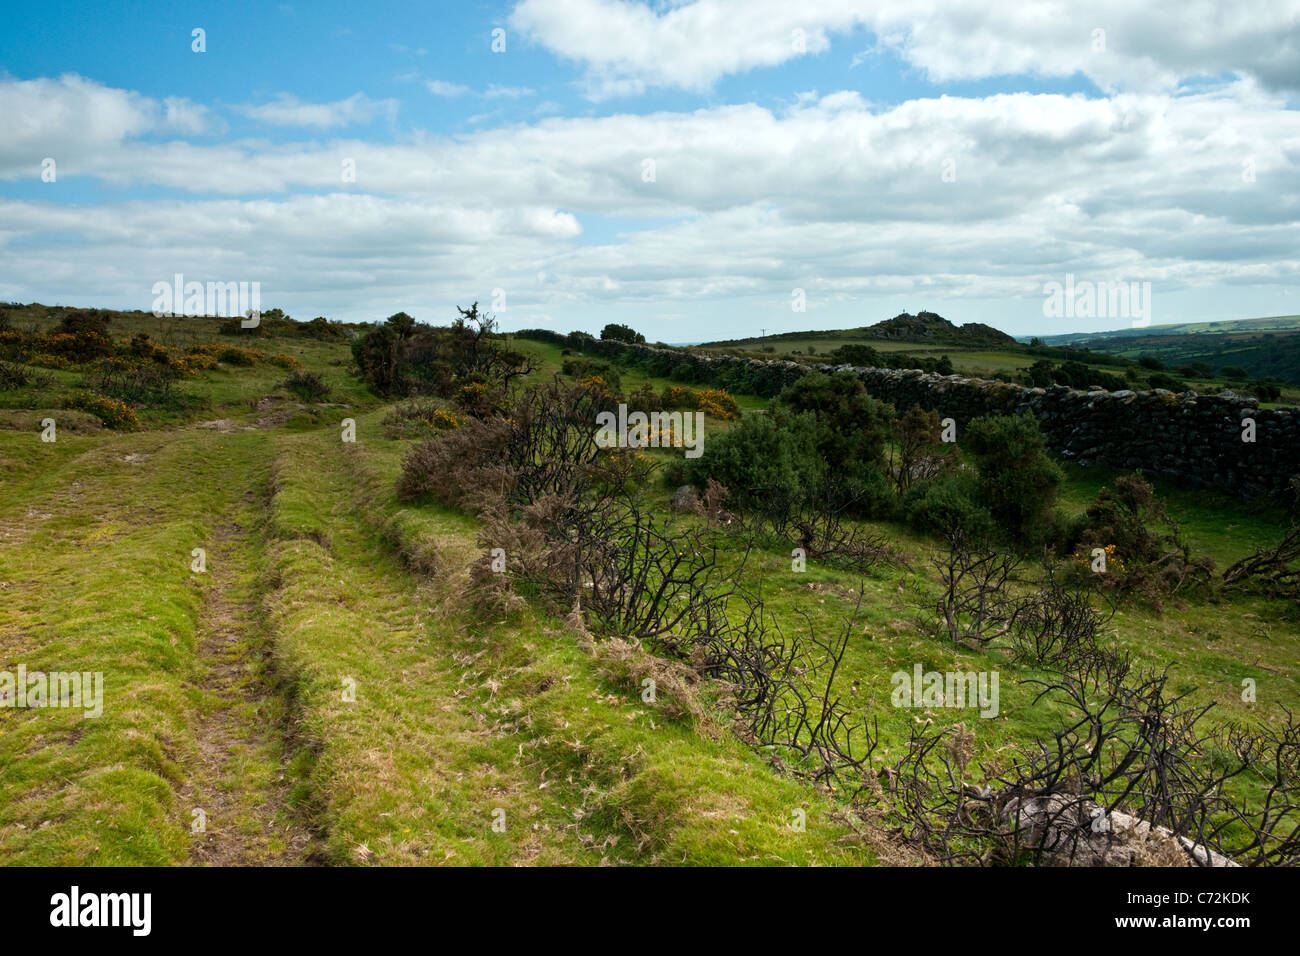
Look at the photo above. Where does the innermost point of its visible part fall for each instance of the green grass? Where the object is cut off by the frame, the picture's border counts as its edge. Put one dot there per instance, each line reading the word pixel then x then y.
pixel 322 581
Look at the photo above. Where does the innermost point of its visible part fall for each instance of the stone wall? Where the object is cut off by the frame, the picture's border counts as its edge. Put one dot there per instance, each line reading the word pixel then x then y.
pixel 1187 438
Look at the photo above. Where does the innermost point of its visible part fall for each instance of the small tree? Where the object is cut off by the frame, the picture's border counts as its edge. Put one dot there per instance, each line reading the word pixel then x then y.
pixel 622 333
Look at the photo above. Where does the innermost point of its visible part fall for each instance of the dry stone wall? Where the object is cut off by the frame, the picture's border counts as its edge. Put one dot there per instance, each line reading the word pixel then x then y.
pixel 1192 439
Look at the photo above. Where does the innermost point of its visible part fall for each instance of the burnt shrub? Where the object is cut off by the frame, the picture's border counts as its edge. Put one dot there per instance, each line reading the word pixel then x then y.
pixel 404 357
pixel 545 447
pixel 133 379
pixel 308 386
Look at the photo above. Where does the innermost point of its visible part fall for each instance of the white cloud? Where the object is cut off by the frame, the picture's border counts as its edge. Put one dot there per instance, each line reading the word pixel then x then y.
pixel 71 117
pixel 627 46
pixel 288 110
pixel 493 91
pixel 442 88
pixel 509 92
pixel 830 193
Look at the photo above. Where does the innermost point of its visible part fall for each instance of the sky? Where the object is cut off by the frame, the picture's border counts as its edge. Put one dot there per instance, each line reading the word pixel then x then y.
pixel 698 170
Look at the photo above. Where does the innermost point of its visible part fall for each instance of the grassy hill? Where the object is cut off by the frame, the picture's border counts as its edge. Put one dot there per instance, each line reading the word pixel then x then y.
pixel 326 690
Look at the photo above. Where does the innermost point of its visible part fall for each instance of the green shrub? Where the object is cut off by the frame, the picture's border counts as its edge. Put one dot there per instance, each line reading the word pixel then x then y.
pixel 852 427
pixel 764 456
pixel 621 333
pixel 949 504
pixel 1017 478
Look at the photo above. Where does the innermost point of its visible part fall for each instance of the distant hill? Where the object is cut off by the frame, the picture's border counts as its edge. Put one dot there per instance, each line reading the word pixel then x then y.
pixel 924 328
pixel 1265 348
pixel 1276 323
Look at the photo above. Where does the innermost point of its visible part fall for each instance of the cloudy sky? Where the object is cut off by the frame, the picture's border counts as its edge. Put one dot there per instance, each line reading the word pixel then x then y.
pixel 682 167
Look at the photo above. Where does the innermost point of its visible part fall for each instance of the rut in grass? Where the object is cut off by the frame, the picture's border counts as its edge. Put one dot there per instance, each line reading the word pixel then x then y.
pixel 240 780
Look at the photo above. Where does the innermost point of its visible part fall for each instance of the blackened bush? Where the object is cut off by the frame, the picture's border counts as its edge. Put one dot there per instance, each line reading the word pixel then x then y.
pixel 308 386
pixel 143 381
pixel 376 355
pixel 546 447
pixel 404 357
pixel 459 469
pixel 645 399
pixel 14 375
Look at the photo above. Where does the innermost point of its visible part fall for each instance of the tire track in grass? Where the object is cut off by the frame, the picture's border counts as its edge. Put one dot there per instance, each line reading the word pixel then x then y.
pixel 241 782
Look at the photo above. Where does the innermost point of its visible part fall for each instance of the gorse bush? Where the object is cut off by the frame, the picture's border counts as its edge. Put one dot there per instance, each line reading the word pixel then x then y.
pixel 852 427
pixel 581 368
pixel 237 356
pixel 113 413
pixel 1143 549
pixel 948 505
pixel 716 403
pixel 1017 478
pixel 678 396
pixel 420 418
pixel 763 458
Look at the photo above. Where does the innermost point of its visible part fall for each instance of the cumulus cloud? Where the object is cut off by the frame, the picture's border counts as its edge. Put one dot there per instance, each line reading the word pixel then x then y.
pixel 627 46
pixel 949 196
pixel 70 118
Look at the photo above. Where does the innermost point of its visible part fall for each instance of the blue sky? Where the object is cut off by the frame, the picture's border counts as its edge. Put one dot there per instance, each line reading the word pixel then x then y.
pixel 879 160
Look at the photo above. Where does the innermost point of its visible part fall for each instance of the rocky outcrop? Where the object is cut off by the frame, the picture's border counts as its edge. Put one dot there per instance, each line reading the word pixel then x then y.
pixel 1067 831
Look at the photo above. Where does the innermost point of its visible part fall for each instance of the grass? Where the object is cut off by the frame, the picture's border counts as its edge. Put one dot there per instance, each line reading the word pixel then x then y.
pixel 232 690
